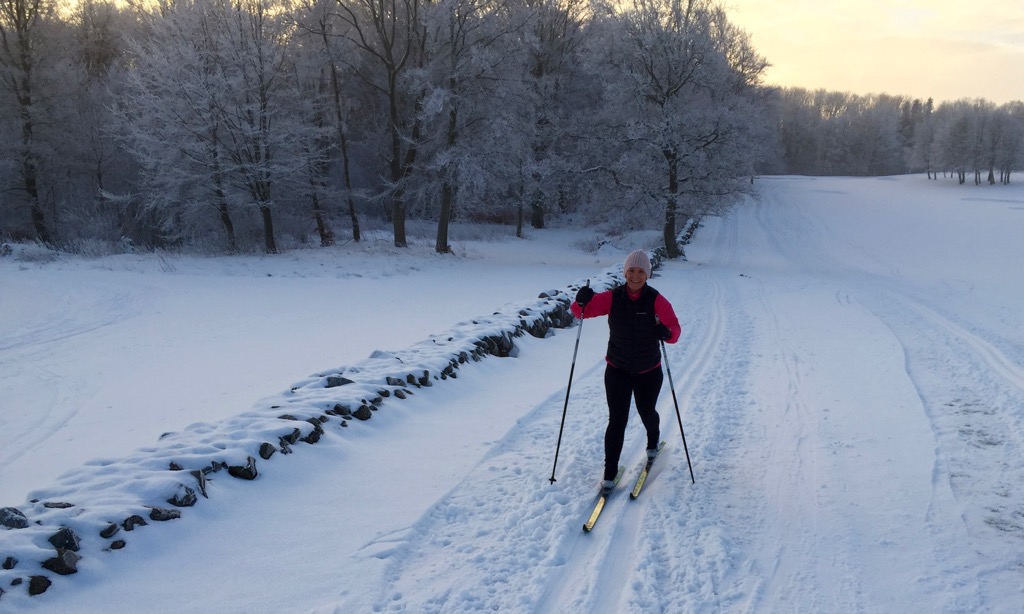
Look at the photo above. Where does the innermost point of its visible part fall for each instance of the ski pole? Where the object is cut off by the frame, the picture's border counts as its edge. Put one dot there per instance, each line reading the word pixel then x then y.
pixel 565 408
pixel 672 386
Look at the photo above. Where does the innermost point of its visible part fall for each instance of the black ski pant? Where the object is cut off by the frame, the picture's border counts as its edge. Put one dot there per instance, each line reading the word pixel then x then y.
pixel 620 388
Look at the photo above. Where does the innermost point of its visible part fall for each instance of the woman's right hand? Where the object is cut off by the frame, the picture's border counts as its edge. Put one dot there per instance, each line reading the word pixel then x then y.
pixel 584 295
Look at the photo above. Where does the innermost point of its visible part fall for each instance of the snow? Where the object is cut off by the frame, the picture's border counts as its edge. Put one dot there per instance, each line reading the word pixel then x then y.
pixel 850 379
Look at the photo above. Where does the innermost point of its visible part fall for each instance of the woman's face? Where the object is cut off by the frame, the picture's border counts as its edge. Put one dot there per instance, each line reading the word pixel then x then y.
pixel 635 278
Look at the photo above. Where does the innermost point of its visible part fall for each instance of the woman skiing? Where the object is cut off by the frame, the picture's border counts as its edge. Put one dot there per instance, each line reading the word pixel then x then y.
pixel 638 319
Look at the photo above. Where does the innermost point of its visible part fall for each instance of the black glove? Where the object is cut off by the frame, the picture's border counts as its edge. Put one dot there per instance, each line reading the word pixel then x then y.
pixel 584 295
pixel 661 332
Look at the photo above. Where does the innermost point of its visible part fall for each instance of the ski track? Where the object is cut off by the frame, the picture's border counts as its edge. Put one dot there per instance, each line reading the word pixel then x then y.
pixel 72 314
pixel 975 436
pixel 943 363
pixel 774 522
pixel 543 561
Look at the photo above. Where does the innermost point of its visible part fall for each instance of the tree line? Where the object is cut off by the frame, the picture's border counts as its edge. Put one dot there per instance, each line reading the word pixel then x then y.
pixel 835 133
pixel 233 125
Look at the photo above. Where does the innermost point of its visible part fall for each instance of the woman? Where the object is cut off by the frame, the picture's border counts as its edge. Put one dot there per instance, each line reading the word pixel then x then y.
pixel 638 319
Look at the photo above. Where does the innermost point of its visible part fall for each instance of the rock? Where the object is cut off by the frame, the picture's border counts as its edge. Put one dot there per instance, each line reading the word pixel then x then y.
pixel 314 435
pixel 10 563
pixel 363 413
pixel 214 467
pixel 185 497
pixel 117 544
pixel 57 505
pixel 333 381
pixel 37 585
pixel 110 531
pixel 266 450
pixel 133 521
pixel 65 563
pixel 65 539
pixel 248 472
pixel 12 518
pixel 160 514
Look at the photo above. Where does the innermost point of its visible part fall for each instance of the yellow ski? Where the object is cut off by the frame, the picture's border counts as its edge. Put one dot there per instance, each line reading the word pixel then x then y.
pixel 642 479
pixel 600 504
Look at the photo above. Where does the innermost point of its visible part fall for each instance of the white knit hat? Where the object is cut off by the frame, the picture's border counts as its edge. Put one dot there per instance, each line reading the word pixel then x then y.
pixel 638 259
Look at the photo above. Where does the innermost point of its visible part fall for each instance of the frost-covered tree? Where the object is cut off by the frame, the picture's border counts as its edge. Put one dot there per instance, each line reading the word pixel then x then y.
pixel 683 108
pixel 955 138
pixel 215 115
pixel 1009 151
pixel 558 103
pixel 976 135
pixel 172 113
pixel 467 59
pixel 922 153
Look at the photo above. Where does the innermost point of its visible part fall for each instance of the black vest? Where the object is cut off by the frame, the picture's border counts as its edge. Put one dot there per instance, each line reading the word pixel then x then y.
pixel 632 345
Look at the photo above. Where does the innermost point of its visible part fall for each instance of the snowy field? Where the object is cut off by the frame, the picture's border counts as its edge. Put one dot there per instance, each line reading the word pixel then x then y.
pixel 850 377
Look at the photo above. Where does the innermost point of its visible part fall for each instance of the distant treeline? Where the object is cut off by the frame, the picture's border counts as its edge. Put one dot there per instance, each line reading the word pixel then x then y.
pixel 833 133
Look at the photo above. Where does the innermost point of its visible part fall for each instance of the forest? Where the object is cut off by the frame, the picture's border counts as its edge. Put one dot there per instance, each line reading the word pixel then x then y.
pixel 224 126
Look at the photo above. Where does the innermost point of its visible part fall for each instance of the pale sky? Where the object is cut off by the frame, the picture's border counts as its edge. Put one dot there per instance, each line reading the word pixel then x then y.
pixel 941 49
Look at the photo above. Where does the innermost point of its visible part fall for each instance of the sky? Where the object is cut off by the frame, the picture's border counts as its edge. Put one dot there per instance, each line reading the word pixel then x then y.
pixel 942 49
pixel 852 395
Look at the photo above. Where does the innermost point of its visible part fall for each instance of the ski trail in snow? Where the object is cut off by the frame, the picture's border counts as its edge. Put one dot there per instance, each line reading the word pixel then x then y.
pixel 973 438
pixel 812 446
pixel 488 543
pixel 996 361
pixel 70 314
pixel 526 550
pixel 863 397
